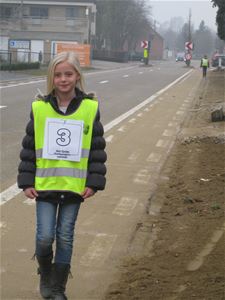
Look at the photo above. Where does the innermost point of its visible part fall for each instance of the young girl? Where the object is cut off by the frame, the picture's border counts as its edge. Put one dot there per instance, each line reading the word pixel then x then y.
pixel 62 163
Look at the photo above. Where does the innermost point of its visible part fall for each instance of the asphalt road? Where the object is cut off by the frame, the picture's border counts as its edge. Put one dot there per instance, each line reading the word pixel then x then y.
pixel 140 130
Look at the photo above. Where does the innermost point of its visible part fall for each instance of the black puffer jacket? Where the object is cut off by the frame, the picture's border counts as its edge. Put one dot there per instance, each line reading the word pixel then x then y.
pixel 96 162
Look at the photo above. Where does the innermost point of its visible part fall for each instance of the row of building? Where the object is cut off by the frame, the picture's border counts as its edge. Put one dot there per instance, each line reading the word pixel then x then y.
pixel 32 30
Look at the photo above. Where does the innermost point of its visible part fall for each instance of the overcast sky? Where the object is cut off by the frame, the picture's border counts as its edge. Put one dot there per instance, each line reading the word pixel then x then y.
pixel 200 10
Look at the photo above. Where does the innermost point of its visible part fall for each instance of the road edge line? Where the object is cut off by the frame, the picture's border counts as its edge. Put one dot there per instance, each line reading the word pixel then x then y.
pixel 127 114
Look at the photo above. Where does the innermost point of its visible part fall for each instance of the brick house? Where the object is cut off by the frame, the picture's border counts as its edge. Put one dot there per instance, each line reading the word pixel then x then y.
pixel 157 45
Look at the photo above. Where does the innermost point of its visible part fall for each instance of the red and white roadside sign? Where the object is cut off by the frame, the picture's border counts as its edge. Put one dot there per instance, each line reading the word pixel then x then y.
pixel 144 44
pixel 188 56
pixel 189 46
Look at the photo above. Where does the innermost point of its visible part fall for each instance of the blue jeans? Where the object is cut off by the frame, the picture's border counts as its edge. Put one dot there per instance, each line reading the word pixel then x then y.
pixel 56 221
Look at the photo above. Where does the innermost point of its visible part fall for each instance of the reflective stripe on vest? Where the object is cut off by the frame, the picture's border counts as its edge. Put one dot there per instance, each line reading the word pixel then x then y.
pixel 84 153
pixel 205 62
pixel 62 175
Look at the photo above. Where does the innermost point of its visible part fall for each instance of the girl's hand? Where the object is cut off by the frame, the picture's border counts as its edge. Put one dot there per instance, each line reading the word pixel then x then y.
pixel 30 193
pixel 88 192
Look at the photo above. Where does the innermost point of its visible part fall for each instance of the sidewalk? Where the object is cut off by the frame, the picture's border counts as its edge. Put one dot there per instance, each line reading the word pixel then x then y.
pixel 177 249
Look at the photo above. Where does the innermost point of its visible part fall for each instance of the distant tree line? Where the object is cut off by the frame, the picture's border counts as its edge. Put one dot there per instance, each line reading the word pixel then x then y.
pixel 176 33
pixel 220 17
pixel 121 23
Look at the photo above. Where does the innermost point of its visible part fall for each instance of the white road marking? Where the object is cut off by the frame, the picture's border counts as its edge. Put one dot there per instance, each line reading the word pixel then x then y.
pixel 2 225
pixel 22 250
pixel 167 132
pixel 124 116
pixel 109 138
pixel 13 191
pixel 122 128
pixel 99 250
pixel 196 263
pixel 180 112
pixel 2 106
pixel 162 143
pixel 154 157
pixel 125 206
pixel 140 73
pixel 22 83
pixel 172 124
pixel 104 81
pixel 29 201
pixel 140 115
pixel 134 156
pixel 8 194
pixel 146 109
pixel 133 120
pixel 125 76
pixel 142 177
pixel 86 74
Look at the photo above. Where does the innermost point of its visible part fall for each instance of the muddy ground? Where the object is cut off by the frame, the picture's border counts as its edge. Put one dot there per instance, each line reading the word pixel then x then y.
pixel 183 251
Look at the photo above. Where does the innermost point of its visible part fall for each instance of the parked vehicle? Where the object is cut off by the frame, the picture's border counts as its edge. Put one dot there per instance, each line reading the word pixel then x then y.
pixel 215 60
pixel 135 56
pixel 180 57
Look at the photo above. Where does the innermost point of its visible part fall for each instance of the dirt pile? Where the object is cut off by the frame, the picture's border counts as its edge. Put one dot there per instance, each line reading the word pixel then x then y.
pixel 186 260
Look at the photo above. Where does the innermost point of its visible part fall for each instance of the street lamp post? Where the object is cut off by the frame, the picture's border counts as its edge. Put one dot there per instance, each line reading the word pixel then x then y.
pixel 21 14
pixel 87 12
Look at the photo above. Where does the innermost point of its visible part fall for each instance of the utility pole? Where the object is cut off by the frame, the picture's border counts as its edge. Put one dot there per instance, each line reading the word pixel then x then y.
pixel 21 15
pixel 189 26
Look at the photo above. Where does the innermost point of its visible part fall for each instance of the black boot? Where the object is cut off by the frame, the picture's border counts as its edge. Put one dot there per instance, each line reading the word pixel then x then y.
pixel 45 270
pixel 59 280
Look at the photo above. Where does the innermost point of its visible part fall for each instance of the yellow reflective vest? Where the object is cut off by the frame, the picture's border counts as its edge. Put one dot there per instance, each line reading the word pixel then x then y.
pixel 205 62
pixel 59 174
pixel 145 53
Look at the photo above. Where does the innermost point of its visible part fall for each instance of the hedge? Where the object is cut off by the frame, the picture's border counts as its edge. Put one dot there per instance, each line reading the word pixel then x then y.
pixel 19 66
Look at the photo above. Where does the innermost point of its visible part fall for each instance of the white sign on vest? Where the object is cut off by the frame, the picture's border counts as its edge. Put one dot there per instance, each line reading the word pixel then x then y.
pixel 63 139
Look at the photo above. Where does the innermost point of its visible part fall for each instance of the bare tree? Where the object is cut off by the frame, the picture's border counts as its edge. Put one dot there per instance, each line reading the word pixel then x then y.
pixel 121 22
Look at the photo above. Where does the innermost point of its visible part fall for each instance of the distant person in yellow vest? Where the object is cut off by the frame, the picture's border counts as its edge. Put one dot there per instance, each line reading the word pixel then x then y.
pixel 204 65
pixel 146 56
pixel 62 164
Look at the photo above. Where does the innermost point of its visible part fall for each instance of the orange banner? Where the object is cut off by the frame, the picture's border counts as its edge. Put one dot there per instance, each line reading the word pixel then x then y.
pixel 82 50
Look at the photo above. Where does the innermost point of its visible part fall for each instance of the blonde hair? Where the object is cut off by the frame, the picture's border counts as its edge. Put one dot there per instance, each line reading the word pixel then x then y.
pixel 73 60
